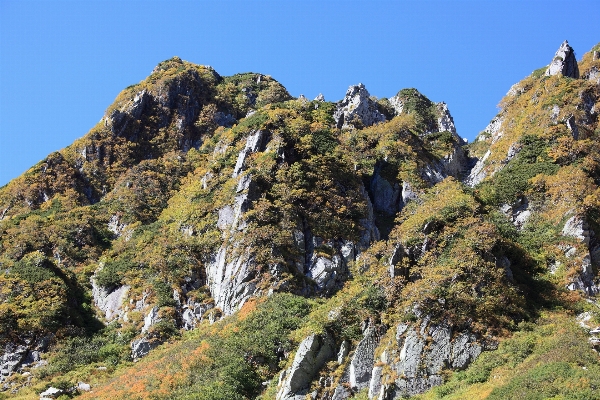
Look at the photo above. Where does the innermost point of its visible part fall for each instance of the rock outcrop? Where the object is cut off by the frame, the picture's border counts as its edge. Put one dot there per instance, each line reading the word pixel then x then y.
pixel 361 366
pixel 15 357
pixel 418 358
pixel 577 228
pixel 357 107
pixel 312 354
pixel 518 212
pixel 491 133
pixel 142 346
pixel 110 302
pixel 231 273
pixel 564 62
pixel 445 121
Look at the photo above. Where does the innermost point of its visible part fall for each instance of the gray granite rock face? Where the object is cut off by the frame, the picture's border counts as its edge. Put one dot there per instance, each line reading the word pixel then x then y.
pixel 456 163
pixel 564 62
pixel 312 354
pixel 194 313
pixel 518 212
pixel 445 121
pixel 110 302
pixel 420 355
pixel 141 347
pixel 369 232
pixel 14 357
pixel 231 282
pixel 231 273
pixel 151 319
pixel 387 197
pixel 408 194
pixel 491 133
pixel 572 126
pixel 361 366
pixel 593 75
pixel 254 143
pixel 328 272
pixel 577 228
pixel 357 105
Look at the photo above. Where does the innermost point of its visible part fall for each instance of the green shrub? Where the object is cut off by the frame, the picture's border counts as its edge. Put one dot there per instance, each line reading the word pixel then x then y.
pixel 34 268
pixel 513 180
pixel 112 273
pixel 164 294
pixel 323 142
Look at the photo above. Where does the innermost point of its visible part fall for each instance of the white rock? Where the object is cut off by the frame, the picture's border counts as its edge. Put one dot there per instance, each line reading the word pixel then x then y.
pixel 357 104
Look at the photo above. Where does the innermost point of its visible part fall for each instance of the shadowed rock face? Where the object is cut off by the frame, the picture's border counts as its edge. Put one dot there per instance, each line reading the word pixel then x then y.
pixel 564 62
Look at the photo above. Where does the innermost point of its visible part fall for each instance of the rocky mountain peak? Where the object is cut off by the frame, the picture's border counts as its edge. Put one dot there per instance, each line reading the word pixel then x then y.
pixel 564 62
pixel 357 107
pixel 318 249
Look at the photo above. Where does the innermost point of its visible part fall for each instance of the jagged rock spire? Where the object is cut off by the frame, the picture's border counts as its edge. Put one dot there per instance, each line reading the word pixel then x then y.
pixel 564 62
pixel 357 104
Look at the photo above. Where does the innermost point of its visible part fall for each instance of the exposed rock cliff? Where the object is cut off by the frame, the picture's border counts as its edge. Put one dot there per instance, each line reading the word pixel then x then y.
pixel 418 358
pixel 357 108
pixel 313 352
pixel 342 233
pixel 564 62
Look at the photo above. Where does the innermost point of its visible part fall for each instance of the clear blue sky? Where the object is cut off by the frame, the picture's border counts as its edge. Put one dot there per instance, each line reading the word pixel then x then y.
pixel 63 62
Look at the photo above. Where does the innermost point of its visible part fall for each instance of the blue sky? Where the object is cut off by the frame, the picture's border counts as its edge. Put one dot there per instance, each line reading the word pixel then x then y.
pixel 62 63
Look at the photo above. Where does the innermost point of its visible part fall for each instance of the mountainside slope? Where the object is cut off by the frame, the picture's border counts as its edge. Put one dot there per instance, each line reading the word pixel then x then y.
pixel 280 247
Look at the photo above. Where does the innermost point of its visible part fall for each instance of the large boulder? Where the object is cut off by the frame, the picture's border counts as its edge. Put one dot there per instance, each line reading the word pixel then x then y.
pixel 142 346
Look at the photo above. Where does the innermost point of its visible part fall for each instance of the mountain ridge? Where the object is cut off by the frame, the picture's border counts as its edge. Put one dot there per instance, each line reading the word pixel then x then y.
pixel 198 196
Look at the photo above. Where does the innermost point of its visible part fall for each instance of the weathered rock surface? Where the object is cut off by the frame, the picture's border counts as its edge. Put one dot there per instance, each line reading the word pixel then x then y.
pixel 387 196
pixel 115 225
pixel 231 282
pixel 194 313
pixel 357 105
pixel 328 270
pixel 83 387
pixel 109 302
pixel 15 357
pixel 456 163
pixel 231 273
pixel 518 212
pixel 491 133
pixel 564 62
pixel 254 143
pixel 418 358
pixel 593 75
pixel 361 366
pixel 142 346
pixel 51 393
pixel 12 358
pixel 369 232
pixel 445 121
pixel 151 319
pixel 312 354
pixel 577 228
